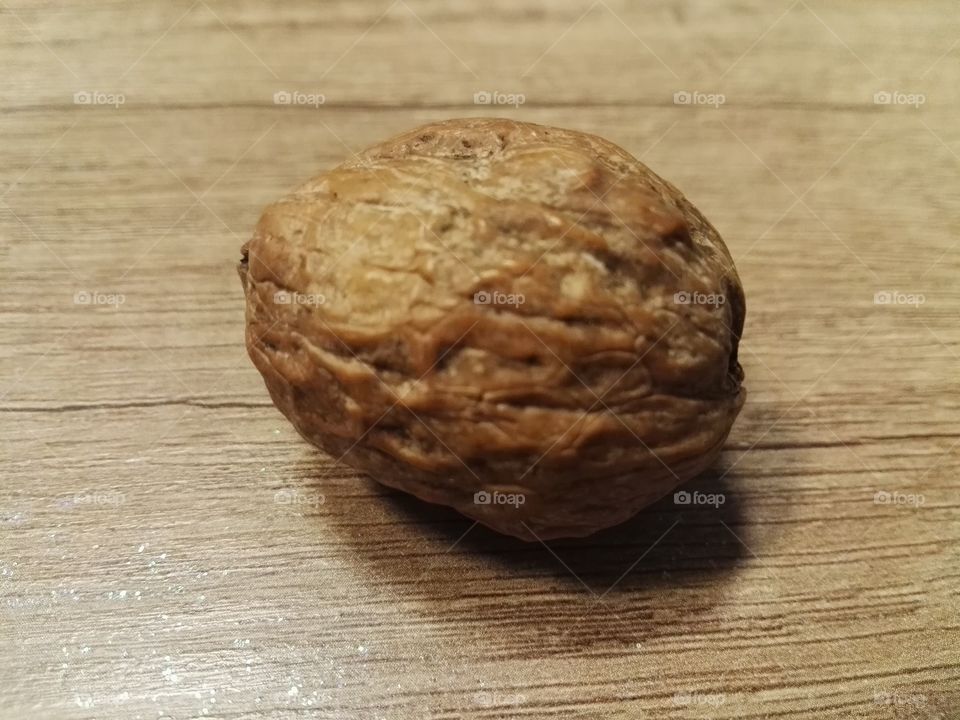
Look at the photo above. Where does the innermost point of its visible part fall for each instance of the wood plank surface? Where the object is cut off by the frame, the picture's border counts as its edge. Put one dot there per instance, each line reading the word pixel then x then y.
pixel 170 547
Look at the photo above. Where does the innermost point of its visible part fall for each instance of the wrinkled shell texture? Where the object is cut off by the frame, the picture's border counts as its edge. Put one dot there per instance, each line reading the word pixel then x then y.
pixel 487 305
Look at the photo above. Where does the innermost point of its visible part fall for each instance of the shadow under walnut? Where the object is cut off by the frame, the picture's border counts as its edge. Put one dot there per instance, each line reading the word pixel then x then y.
pixel 485 306
pixel 660 574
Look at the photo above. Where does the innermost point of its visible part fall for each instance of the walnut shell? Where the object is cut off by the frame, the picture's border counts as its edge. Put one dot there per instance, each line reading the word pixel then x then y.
pixel 521 322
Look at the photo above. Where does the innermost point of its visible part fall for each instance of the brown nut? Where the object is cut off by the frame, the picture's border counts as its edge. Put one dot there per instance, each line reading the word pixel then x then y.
pixel 521 322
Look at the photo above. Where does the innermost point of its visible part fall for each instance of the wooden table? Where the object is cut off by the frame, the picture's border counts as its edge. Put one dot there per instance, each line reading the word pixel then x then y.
pixel 170 548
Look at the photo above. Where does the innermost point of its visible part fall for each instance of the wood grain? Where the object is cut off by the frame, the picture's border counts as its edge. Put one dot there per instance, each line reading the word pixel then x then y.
pixel 170 548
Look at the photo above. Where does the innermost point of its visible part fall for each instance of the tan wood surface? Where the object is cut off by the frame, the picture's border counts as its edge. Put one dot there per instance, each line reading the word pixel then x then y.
pixel 170 548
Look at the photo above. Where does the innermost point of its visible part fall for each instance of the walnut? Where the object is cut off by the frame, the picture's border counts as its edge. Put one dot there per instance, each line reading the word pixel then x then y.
pixel 521 322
